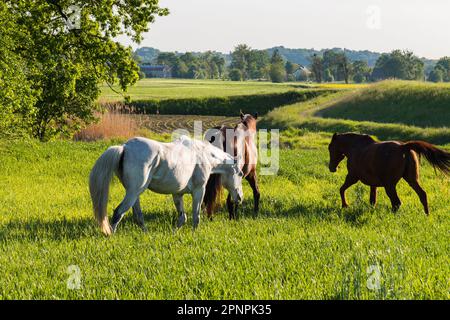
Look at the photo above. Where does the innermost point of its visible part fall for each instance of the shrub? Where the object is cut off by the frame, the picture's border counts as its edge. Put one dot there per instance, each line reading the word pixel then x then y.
pixel 235 75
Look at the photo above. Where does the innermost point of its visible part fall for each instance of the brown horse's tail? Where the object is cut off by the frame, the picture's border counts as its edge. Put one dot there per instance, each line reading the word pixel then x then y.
pixel 212 193
pixel 437 157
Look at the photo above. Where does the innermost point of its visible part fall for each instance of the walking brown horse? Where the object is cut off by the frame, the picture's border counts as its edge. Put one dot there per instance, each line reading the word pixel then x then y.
pixel 383 164
pixel 239 142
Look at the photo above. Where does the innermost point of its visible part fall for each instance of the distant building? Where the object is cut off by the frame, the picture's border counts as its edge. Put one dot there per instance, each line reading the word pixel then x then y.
pixel 302 74
pixel 156 71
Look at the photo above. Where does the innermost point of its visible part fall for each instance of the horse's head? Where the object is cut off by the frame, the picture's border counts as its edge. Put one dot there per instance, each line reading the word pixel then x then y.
pixel 230 173
pixel 336 152
pixel 249 121
pixel 232 179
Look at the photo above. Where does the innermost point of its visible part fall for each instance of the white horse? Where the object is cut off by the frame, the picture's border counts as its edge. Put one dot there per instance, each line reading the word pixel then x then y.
pixel 176 168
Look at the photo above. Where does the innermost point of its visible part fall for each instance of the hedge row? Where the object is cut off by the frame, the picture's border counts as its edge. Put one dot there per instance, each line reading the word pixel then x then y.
pixel 223 106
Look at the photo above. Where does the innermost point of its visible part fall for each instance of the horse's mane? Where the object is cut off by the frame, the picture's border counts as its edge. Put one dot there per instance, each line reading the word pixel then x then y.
pixel 360 137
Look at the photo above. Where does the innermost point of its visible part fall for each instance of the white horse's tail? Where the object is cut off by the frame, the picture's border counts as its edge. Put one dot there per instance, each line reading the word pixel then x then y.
pixel 99 181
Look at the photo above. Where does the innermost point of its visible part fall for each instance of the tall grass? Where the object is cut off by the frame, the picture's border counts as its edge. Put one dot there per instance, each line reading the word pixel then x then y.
pixel 111 124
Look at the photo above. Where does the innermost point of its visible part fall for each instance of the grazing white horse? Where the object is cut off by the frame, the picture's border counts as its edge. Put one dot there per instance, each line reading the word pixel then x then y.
pixel 176 168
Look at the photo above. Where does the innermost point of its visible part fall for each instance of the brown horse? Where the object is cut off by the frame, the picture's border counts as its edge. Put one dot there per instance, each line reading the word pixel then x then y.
pixel 239 142
pixel 383 164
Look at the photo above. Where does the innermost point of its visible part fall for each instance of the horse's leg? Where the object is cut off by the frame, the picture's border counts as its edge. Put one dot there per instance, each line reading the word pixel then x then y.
pixel 412 177
pixel 179 204
pixel 197 199
pixel 422 195
pixel 392 194
pixel 138 216
pixel 130 199
pixel 230 207
pixel 373 196
pixel 252 179
pixel 349 181
pixel 135 180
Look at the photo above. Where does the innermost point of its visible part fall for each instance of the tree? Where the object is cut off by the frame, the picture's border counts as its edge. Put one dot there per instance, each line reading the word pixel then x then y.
pixel 361 71
pixel 277 69
pixel 259 64
pixel 17 99
pixel 219 61
pixel 436 75
pixel 253 64
pixel 317 67
pixel 291 67
pixel 235 75
pixel 68 53
pixel 399 65
pixel 240 59
pixel 330 62
pixel 328 76
pixel 443 66
pixel 344 66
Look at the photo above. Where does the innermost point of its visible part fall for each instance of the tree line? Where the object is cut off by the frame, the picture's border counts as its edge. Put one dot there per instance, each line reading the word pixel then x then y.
pixel 330 66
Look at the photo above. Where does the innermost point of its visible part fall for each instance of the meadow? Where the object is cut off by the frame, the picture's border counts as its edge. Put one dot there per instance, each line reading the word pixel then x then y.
pixel 302 245
pixel 177 88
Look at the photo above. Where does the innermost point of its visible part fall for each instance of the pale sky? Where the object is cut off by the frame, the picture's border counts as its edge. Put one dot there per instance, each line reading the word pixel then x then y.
pixel 422 26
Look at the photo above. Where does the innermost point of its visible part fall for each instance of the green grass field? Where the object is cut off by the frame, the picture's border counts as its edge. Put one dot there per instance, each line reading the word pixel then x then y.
pixel 417 104
pixel 177 88
pixel 301 246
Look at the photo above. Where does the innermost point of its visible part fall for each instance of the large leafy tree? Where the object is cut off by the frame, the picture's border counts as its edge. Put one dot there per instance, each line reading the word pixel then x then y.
pixel 277 68
pixel 361 71
pixel 399 65
pixel 252 64
pixel 16 97
pixel 68 48
pixel 317 67
pixel 240 60
pixel 441 71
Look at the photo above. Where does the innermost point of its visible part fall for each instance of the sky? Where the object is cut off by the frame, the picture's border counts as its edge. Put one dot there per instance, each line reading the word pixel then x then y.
pixel 422 26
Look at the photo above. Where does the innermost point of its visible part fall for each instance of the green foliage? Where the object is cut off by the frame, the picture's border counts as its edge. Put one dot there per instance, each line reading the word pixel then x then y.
pixel 68 53
pixel 441 71
pixel 361 71
pixel 235 75
pixel 253 64
pixel 208 65
pixel 224 106
pixel 277 68
pixel 317 68
pixel 359 78
pixel 436 75
pixel 328 76
pixel 277 73
pixel 291 67
pixel 398 64
pixel 17 98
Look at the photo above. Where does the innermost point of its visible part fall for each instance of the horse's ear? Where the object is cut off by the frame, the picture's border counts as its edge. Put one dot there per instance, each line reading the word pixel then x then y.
pixel 242 115
pixel 334 136
pixel 255 115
